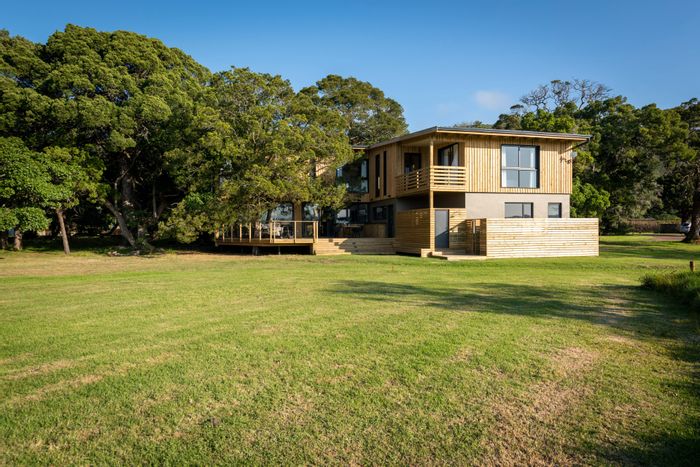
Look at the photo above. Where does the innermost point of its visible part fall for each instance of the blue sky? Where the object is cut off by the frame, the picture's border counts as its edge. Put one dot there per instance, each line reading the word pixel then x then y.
pixel 445 62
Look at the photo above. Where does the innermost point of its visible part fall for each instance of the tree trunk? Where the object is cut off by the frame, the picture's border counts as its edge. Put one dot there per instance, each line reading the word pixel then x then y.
pixel 64 234
pixel 18 240
pixel 3 240
pixel 123 227
pixel 693 235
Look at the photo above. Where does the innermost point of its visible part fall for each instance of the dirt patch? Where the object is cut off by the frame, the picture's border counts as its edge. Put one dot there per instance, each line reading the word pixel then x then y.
pixel 527 428
pixel 40 369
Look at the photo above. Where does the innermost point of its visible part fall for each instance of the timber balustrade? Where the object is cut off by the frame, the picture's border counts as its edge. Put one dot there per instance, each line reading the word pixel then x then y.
pixel 439 178
pixel 269 232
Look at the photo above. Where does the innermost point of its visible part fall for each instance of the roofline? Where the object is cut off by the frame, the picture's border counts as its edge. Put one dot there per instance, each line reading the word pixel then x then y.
pixel 484 131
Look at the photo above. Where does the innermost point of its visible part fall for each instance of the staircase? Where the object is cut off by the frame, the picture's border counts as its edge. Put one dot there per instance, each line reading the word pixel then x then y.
pixel 357 246
pixel 454 254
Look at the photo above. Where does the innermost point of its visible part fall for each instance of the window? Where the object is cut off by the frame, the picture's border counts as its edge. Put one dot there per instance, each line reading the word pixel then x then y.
pixel 520 166
pixel 353 214
pixel 377 176
pixel 448 155
pixel 310 212
pixel 554 210
pixel 518 210
pixel 411 162
pixel 385 177
pixel 283 212
pixel 354 176
pixel 379 213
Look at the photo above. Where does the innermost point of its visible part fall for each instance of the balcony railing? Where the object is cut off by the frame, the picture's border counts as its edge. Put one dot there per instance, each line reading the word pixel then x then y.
pixel 270 232
pixel 439 178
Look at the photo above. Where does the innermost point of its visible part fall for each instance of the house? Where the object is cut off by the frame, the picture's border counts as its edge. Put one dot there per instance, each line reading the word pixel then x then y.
pixel 445 192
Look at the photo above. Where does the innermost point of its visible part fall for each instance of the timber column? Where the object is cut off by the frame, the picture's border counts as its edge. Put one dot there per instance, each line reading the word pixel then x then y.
pixel 431 205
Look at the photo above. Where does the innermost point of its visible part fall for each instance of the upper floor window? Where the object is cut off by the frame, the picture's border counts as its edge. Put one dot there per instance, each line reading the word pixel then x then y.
pixel 448 155
pixel 411 161
pixel 520 166
pixel 355 176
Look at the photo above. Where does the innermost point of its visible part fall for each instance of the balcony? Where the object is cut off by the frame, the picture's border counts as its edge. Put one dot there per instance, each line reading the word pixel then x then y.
pixel 437 178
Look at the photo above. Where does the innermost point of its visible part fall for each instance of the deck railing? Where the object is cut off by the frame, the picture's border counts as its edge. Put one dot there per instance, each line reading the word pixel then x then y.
pixel 270 232
pixel 440 178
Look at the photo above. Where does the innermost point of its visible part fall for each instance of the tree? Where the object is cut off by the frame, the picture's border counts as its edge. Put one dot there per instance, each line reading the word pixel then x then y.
pixel 26 189
pixel 75 176
pixel 370 116
pixel 261 141
pixel 125 98
pixel 587 200
pixel 682 184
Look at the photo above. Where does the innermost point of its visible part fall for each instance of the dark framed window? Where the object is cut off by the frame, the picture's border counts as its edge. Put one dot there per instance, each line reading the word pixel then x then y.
pixel 520 166
pixel 354 176
pixel 449 155
pixel 554 210
pixel 411 162
pixel 379 213
pixel 377 176
pixel 385 172
pixel 283 212
pixel 310 212
pixel 518 210
pixel 353 214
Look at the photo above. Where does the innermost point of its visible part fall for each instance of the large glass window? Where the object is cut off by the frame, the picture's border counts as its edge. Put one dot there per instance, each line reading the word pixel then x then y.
pixel 310 212
pixel 354 176
pixel 554 210
pixel 519 166
pixel 448 155
pixel 518 210
pixel 411 161
pixel 353 214
pixel 283 212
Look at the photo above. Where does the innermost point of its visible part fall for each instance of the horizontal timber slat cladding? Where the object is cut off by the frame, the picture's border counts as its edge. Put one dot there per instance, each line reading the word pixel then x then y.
pixel 458 228
pixel 357 246
pixel 414 229
pixel 532 238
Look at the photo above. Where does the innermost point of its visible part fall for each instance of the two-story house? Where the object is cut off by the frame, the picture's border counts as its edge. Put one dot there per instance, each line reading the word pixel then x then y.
pixel 446 191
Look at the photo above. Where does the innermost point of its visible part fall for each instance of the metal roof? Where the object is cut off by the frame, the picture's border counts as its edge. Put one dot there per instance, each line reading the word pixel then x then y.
pixel 485 131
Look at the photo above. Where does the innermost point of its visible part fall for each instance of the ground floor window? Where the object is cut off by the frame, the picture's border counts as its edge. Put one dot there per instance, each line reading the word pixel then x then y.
pixel 518 210
pixel 379 213
pixel 554 210
pixel 310 212
pixel 283 212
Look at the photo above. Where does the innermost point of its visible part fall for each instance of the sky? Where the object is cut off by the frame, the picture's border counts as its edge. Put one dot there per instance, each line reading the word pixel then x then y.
pixel 444 62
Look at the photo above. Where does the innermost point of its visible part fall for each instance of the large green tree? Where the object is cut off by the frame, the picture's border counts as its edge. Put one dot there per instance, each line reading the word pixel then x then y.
pixel 369 115
pixel 26 189
pixel 259 142
pixel 124 98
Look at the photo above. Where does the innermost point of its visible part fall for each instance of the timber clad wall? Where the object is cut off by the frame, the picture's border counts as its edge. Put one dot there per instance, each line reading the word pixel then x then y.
pixel 520 238
pixel 458 228
pixel 413 231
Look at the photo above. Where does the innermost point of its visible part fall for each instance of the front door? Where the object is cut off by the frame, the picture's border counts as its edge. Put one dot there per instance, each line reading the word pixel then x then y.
pixel 442 235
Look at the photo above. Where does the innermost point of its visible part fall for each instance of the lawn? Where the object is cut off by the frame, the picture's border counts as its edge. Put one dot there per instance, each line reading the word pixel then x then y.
pixel 215 358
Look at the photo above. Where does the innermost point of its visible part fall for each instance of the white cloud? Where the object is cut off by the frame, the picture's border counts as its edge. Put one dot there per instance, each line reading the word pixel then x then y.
pixel 492 100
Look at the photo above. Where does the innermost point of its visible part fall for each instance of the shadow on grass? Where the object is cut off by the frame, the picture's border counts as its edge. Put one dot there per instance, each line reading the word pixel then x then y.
pixel 650 249
pixel 637 313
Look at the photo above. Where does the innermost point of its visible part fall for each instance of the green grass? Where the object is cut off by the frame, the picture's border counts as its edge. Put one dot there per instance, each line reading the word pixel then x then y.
pixel 211 358
pixel 684 286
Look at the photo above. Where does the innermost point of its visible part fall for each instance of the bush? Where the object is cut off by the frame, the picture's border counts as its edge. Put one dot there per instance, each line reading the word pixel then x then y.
pixel 683 285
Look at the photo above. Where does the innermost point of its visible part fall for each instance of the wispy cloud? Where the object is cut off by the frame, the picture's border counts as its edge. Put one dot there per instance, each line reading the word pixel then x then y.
pixel 492 100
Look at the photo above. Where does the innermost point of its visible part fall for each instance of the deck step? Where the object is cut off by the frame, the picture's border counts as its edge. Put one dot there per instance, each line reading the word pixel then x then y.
pixel 367 246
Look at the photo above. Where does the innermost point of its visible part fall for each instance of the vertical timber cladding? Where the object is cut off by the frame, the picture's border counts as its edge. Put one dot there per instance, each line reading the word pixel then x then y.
pixel 482 158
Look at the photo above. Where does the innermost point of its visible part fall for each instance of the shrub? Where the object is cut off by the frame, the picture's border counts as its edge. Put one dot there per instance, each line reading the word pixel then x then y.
pixel 683 285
